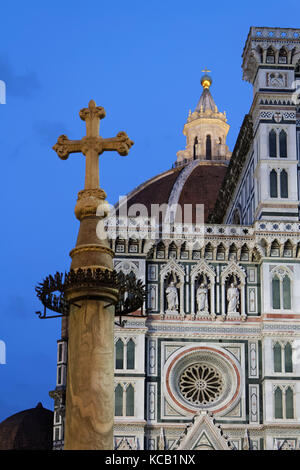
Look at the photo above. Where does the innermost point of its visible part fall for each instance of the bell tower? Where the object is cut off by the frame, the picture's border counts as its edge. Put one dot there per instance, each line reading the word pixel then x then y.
pixel 271 59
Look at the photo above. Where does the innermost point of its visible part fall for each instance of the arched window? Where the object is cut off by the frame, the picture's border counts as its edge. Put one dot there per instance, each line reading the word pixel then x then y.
pixel 282 144
pixel 130 400
pixel 286 290
pixel 221 252
pixel 119 354
pixel 130 354
pixel 288 249
pixel 276 293
pixel 119 400
pixel 260 53
pixel 284 402
pixel 208 147
pixel 289 403
pixel 288 358
pixel 270 56
pixel 282 57
pixel 278 403
pixel 232 252
pixel 272 144
pixel 283 357
pixel 124 400
pixel 277 358
pixel 275 248
pixel 160 250
pixel 208 253
pixel 195 148
pixel 283 184
pixel 273 184
pixel 281 291
pixel 245 253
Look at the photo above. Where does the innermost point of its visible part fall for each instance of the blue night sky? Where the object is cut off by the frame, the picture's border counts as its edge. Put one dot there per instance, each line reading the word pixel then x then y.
pixel 142 62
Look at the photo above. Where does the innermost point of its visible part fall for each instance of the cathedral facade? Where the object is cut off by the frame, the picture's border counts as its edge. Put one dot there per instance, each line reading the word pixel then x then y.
pixel 213 360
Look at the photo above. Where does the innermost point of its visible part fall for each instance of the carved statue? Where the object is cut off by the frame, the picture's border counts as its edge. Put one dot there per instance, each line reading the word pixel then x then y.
pixel 202 298
pixel 233 297
pixel 276 79
pixel 172 297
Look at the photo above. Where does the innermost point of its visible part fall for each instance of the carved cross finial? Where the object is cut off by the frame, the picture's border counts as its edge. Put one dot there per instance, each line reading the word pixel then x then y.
pixel 92 145
pixel 205 70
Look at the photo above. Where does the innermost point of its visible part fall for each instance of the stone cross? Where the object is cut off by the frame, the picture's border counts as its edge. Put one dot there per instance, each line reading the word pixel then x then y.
pixel 92 145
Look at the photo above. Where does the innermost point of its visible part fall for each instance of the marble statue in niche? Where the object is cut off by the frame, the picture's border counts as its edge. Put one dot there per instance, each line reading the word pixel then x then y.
pixel 233 299
pixel 172 297
pixel 202 298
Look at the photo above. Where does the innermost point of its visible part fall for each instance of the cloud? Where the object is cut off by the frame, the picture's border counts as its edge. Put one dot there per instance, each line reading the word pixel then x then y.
pixel 18 149
pixel 49 131
pixel 17 305
pixel 21 85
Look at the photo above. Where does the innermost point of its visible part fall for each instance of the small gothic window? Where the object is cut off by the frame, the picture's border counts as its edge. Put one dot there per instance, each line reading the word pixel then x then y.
pixel 160 251
pixel 283 184
pixel 289 403
pixel 232 252
pixel 277 358
pixel 288 249
pixel 286 287
pixel 119 354
pixel 283 144
pixel 282 58
pixel 208 147
pixel 244 253
pixel 276 293
pixel 220 252
pixel 273 184
pixel 130 400
pixel 275 248
pixel 130 354
pixel 208 254
pixel 172 250
pixel 278 403
pixel 119 400
pixel 270 56
pixel 272 144
pixel 288 358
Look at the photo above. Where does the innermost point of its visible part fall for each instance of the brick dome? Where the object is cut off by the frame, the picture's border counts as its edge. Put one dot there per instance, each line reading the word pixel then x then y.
pixel 27 430
pixel 197 182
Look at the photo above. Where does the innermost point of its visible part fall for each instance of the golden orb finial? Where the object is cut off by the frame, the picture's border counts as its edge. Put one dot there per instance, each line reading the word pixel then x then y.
pixel 206 80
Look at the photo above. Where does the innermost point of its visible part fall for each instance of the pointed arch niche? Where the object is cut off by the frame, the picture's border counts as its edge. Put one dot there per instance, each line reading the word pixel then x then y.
pixel 203 272
pixel 172 271
pixel 233 273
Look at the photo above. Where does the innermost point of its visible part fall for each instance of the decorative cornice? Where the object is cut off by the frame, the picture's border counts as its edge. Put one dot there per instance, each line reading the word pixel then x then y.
pixel 93 248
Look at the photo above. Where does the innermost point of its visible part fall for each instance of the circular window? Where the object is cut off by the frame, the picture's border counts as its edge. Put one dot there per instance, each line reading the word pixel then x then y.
pixel 200 384
pixel 206 377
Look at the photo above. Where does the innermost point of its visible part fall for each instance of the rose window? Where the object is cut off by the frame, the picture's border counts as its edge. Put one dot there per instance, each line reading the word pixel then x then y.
pixel 200 384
